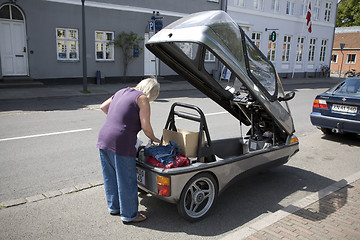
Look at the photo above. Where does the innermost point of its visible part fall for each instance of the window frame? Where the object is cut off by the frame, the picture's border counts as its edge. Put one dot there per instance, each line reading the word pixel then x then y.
pixel 258 5
pixel 300 49
pixel 275 6
pixel 239 3
pixel 347 58
pixel 323 50
pixel 209 57
pixel 334 55
pixel 286 49
pixel 290 6
pixel 271 50
pixel 256 40
pixel 312 47
pixel 304 8
pixel 67 39
pixel 316 13
pixel 105 45
pixel 327 15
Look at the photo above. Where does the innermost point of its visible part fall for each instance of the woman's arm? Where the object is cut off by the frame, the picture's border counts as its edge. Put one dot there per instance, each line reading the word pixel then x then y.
pixel 144 113
pixel 105 105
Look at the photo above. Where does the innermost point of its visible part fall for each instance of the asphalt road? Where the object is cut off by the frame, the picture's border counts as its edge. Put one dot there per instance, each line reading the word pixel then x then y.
pixel 50 144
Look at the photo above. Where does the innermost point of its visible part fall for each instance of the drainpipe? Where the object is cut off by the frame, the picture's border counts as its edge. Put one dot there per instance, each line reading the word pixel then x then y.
pixel 224 5
pixel 84 47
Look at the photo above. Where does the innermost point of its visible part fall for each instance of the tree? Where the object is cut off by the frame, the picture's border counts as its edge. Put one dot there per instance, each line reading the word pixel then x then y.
pixel 348 13
pixel 130 47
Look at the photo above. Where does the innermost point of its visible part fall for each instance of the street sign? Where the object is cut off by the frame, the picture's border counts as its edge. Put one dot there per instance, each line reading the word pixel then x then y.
pixel 272 36
pixel 151 26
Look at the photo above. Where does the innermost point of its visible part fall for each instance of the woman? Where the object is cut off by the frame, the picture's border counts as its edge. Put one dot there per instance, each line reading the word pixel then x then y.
pixel 128 111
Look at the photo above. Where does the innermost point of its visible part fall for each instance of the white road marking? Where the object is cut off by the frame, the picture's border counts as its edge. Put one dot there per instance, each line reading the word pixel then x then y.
pixel 45 134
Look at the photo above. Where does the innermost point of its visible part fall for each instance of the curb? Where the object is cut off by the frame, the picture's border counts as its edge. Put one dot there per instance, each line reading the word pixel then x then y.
pixel 50 194
pixel 247 231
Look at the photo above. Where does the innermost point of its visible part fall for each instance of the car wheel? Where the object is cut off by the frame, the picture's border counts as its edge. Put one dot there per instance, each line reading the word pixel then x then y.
pixel 326 130
pixel 197 197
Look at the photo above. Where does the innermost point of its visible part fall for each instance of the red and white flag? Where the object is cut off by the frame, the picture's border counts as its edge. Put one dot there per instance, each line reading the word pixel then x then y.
pixel 308 18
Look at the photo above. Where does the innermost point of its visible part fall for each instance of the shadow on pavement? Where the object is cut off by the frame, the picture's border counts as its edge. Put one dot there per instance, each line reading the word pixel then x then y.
pixel 239 204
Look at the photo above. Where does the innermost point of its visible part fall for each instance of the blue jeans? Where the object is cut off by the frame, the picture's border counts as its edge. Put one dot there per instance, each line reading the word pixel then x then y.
pixel 120 184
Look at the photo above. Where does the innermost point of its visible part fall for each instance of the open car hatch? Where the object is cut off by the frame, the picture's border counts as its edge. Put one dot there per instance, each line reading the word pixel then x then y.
pixel 251 85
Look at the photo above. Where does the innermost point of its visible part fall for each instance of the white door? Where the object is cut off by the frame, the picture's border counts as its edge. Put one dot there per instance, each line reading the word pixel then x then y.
pixel 149 59
pixel 13 48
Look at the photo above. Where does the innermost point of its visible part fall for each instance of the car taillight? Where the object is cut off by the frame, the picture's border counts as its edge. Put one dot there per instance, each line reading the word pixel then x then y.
pixel 163 184
pixel 320 103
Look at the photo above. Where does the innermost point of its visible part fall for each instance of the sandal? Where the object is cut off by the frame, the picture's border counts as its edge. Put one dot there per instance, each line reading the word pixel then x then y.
pixel 141 217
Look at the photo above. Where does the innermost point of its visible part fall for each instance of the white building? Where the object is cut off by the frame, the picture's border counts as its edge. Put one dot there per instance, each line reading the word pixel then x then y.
pixel 281 30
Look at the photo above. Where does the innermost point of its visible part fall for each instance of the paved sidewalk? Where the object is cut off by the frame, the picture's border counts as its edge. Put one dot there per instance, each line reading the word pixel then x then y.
pixel 332 213
pixel 51 91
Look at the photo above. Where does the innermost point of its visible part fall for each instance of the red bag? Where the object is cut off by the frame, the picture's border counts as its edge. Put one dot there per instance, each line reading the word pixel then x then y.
pixel 180 161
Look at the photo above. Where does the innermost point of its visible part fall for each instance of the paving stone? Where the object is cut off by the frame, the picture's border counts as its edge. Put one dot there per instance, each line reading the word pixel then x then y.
pixel 83 186
pixel 13 202
pixel 52 194
pixel 35 198
pixel 68 190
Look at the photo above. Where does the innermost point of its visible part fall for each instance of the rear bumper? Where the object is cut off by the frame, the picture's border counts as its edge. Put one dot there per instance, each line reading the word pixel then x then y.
pixel 342 124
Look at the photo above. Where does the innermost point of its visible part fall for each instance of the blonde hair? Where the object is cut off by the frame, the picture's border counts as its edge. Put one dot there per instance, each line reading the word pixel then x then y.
pixel 150 87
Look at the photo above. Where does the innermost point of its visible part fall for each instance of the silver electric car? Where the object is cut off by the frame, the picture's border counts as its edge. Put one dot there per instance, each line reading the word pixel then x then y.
pixel 251 92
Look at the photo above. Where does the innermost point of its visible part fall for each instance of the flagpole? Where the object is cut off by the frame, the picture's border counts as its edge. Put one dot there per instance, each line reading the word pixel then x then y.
pixel 301 35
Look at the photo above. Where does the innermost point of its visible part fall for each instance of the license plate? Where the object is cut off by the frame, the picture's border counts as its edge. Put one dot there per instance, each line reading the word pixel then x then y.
pixel 344 108
pixel 140 174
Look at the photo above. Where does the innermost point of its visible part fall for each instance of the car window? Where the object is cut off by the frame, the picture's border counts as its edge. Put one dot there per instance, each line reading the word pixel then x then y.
pixel 260 67
pixel 350 87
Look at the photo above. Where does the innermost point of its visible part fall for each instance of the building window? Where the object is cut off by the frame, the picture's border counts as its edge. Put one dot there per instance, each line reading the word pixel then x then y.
pixel 323 50
pixel 327 11
pixel 299 49
pixel 286 49
pixel 67 41
pixel 209 57
pixel 256 38
pixel 104 50
pixel 350 58
pixel 271 49
pixel 316 11
pixel 304 6
pixel 275 5
pixel 311 49
pixel 334 58
pixel 259 4
pixel 239 3
pixel 290 5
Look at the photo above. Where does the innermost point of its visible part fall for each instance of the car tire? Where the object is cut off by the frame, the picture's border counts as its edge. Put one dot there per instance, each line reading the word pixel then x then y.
pixel 326 130
pixel 197 197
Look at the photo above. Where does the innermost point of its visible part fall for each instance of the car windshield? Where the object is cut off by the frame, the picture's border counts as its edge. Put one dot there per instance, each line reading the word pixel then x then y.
pixel 350 87
pixel 260 69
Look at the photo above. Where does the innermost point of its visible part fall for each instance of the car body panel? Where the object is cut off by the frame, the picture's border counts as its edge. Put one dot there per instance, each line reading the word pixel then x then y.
pixel 253 94
pixel 216 32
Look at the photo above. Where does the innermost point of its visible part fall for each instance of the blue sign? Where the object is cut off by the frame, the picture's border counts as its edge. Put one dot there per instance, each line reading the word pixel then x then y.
pixel 151 26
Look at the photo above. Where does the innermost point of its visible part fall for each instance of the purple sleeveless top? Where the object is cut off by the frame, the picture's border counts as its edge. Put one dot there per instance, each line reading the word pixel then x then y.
pixel 119 132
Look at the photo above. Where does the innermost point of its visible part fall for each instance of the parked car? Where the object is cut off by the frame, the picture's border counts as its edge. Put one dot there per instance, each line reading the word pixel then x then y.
pixel 337 109
pixel 252 93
